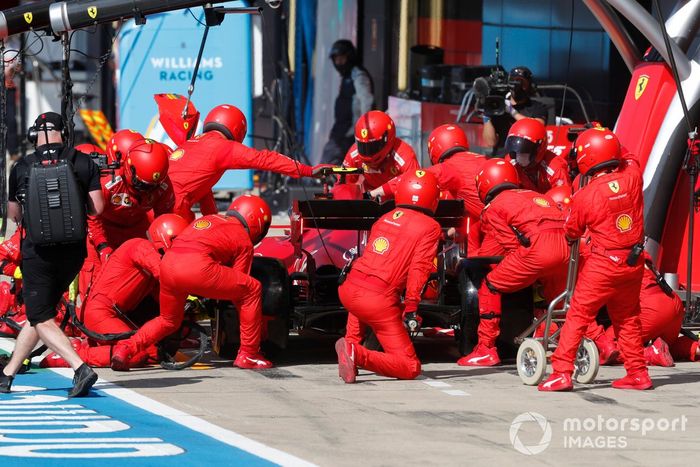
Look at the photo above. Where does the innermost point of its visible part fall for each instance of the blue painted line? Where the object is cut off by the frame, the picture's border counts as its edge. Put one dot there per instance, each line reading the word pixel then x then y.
pixel 111 431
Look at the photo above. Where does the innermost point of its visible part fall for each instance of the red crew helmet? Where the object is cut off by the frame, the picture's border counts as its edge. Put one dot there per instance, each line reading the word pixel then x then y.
pixel 375 136
pixel 164 229
pixel 495 176
pixel 254 213
pixel 597 149
pixel 227 119
pixel 561 195
pixel 418 189
pixel 120 143
pixel 526 142
pixel 446 140
pixel 146 164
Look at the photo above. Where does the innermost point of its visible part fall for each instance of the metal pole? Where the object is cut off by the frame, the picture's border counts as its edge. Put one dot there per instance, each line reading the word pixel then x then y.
pixel 22 95
pixel 3 143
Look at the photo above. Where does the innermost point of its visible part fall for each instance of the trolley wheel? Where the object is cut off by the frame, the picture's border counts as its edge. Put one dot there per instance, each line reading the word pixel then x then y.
pixel 531 362
pixel 587 362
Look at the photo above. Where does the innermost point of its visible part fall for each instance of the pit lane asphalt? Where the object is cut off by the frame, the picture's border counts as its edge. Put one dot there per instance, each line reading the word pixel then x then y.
pixel 451 416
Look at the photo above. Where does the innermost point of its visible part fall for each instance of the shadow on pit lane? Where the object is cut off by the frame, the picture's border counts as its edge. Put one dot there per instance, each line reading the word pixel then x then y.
pixel 320 350
pixel 668 379
pixel 165 382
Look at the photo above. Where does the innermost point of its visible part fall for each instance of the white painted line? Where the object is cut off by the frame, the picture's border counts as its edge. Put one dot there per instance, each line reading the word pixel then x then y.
pixel 455 392
pixel 436 384
pixel 189 421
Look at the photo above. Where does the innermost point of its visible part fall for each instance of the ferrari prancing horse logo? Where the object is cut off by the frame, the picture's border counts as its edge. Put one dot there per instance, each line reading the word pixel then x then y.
pixel 640 86
pixel 614 186
pixel 363 133
pixel 28 17
pixel 397 214
pixel 92 12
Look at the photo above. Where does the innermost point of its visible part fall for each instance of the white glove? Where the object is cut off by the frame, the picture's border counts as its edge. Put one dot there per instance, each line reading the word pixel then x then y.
pixel 509 106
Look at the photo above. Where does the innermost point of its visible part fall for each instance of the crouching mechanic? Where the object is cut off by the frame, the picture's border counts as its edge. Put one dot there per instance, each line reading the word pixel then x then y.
pixel 530 229
pixel 539 169
pixel 380 154
pixel 197 165
pixel 140 185
pixel 611 207
pixel 399 254
pixel 212 258
pixel 131 274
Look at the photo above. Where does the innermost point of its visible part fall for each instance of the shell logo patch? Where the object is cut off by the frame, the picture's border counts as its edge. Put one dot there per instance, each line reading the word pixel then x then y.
pixel 202 224
pixel 156 176
pixel 420 173
pixel 364 132
pixel 380 245
pixel 614 186
pixel 541 202
pixel 640 86
pixel 177 155
pixel 28 17
pixel 397 214
pixel 623 223
pixel 120 199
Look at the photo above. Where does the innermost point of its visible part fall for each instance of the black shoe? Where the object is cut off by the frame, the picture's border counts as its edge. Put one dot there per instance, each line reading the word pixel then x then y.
pixel 82 381
pixel 5 383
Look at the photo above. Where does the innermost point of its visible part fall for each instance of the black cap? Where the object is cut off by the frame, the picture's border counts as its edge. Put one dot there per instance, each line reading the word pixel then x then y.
pixel 51 120
pixel 342 47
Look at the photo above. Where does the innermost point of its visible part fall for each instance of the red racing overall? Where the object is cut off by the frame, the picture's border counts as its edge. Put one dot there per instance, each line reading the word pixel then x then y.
pixel 610 206
pixel 199 163
pixel 537 219
pixel 210 258
pixel 399 254
pixel 126 215
pixel 132 273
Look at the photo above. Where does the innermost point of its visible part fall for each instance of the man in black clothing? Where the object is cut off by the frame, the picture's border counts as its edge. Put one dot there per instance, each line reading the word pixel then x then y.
pixel 355 98
pixel 518 105
pixel 49 269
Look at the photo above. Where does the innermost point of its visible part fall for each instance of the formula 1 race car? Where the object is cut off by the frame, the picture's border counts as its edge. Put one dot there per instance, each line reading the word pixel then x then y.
pixel 299 273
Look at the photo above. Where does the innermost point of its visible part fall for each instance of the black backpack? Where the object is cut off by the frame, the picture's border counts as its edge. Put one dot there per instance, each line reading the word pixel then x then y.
pixel 54 207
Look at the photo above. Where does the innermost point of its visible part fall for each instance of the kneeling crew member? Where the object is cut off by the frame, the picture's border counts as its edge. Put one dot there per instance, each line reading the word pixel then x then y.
pixel 210 258
pixel 399 254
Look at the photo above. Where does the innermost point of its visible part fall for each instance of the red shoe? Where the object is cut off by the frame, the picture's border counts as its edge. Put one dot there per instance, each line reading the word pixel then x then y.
pixel 251 361
pixel 658 354
pixel 121 357
pixel 481 356
pixel 639 381
pixel 607 350
pixel 347 369
pixel 557 382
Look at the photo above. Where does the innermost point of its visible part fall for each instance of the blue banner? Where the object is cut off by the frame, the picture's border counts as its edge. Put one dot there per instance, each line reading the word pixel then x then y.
pixel 159 57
